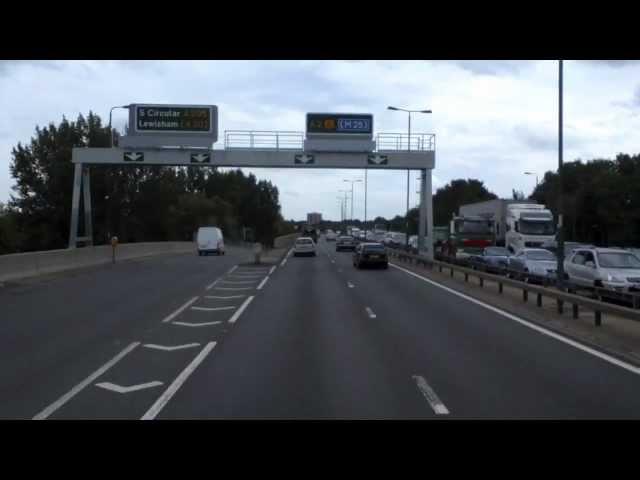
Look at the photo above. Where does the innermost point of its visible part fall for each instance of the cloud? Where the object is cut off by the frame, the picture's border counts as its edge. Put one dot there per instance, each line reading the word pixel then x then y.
pixel 492 67
pixel 535 139
pixel 615 63
pixel 7 66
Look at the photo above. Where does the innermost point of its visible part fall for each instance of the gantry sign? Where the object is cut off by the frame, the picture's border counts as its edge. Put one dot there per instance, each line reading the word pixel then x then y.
pixel 183 135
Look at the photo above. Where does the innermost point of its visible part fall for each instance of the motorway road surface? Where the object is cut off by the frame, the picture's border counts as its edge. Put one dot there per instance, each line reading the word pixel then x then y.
pixel 189 337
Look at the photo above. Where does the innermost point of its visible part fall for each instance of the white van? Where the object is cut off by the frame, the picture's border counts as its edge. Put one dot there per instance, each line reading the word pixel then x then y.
pixel 210 240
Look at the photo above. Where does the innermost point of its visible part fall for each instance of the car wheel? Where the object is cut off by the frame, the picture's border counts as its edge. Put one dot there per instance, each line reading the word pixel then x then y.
pixel 199 253
pixel 385 266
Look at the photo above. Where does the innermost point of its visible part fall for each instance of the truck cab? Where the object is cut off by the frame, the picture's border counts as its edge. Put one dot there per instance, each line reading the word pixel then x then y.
pixel 469 235
pixel 528 226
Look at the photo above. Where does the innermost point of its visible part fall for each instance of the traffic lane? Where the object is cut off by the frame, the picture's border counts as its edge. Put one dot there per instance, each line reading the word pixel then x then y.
pixel 133 380
pixel 301 350
pixel 486 365
pixel 55 331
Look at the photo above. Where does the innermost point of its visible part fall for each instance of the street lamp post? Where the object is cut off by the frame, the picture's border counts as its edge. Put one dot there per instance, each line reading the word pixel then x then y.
pixel 409 112
pixel 352 182
pixel 341 208
pixel 560 267
pixel 346 203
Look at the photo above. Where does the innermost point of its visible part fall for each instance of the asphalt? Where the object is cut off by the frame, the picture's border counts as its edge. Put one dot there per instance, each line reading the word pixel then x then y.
pixel 313 338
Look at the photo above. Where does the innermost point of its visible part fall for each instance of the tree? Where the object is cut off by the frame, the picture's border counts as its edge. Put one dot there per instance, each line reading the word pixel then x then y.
pixel 601 200
pixel 136 203
pixel 447 200
pixel 9 235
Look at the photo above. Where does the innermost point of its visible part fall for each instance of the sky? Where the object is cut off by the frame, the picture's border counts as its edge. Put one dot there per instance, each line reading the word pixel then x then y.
pixel 493 120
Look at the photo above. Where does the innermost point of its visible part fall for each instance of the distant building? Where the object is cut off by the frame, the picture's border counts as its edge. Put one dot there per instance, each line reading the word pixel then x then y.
pixel 314 218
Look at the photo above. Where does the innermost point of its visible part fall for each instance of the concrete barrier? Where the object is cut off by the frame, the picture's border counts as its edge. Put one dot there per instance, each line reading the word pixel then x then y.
pixel 22 265
pixel 285 240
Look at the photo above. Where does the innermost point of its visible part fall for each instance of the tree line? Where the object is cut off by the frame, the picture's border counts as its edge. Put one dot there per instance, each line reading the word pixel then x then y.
pixel 135 203
pixel 601 201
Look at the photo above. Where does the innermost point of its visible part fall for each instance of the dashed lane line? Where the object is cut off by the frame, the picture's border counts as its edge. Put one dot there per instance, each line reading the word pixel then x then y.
pixel 428 393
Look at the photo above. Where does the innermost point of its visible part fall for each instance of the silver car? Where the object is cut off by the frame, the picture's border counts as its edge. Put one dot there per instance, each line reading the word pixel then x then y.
pixel 615 269
pixel 536 261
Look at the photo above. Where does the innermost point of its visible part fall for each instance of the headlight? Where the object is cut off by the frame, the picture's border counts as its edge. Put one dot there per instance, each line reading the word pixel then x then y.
pixel 613 278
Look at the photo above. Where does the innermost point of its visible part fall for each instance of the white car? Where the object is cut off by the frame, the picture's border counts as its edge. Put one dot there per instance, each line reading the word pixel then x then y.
pixel 304 246
pixel 330 236
pixel 609 268
pixel 210 240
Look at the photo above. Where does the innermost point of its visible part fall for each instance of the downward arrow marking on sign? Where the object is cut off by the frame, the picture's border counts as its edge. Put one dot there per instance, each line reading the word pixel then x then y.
pixel 201 157
pixel 133 156
pixel 120 389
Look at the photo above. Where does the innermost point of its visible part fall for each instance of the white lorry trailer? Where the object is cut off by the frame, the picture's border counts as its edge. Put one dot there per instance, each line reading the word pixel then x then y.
pixel 518 224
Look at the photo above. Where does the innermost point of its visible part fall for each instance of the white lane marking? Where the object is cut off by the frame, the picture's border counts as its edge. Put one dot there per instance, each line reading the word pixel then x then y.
pixel 196 324
pixel 75 390
pixel 224 298
pixel 333 261
pixel 133 388
pixel 262 283
pixel 430 395
pixel 568 341
pixel 232 269
pixel 242 282
pixel 240 310
pixel 177 383
pixel 179 310
pixel 211 309
pixel 350 285
pixel 340 270
pixel 370 313
pixel 213 284
pixel 233 288
pixel 272 269
pixel 284 260
pixel 170 349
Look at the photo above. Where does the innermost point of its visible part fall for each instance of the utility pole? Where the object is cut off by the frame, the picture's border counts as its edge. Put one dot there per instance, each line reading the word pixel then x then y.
pixel 560 268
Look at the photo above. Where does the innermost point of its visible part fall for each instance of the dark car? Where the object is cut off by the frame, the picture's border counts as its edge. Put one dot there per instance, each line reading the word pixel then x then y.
pixel 370 254
pixel 492 259
pixel 345 242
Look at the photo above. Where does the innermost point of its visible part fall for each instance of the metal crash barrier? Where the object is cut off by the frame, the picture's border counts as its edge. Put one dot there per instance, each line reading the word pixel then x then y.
pixel 472 269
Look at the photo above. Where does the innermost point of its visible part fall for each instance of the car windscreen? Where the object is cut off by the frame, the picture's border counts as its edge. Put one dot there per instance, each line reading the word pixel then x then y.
pixel 618 260
pixel 304 241
pixel 497 251
pixel 373 248
pixel 542 256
